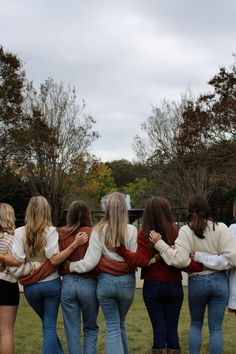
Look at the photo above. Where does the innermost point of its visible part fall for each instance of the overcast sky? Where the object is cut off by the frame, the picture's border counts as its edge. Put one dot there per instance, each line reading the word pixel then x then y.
pixel 123 56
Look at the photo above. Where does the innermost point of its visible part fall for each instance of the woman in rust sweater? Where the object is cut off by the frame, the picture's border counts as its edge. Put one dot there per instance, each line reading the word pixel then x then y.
pixel 78 295
pixel 162 289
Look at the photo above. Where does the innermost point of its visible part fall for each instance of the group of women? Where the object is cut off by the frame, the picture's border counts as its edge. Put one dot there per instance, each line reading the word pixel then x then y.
pixel 82 267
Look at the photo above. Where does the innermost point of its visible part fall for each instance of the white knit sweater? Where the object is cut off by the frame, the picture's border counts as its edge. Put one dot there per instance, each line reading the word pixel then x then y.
pixel 97 248
pixel 218 242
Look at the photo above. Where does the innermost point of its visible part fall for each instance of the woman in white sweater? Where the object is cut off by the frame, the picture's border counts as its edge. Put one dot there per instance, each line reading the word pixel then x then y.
pixel 115 292
pixel 208 288
pixel 219 262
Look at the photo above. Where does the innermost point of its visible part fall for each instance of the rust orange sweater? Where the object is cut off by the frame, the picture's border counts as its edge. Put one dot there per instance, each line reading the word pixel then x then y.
pixel 158 271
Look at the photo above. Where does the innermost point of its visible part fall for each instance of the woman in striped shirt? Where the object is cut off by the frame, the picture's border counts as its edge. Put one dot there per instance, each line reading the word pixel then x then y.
pixel 9 290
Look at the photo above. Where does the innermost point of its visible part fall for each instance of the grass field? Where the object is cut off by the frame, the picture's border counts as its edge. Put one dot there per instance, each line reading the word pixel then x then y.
pixel 28 337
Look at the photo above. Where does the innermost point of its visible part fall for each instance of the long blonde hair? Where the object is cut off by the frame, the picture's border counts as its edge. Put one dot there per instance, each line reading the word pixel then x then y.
pixel 113 225
pixel 37 221
pixel 7 219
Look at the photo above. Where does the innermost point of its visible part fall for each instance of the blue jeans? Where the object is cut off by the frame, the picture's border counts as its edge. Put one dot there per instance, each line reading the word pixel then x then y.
pixel 163 300
pixel 78 296
pixel 212 291
pixel 44 298
pixel 115 294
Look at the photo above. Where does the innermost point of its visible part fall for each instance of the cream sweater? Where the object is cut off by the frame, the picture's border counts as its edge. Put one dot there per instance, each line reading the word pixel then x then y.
pixel 97 248
pixel 218 242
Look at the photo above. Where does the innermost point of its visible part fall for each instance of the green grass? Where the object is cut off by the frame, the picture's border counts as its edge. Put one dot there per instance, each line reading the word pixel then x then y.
pixel 28 334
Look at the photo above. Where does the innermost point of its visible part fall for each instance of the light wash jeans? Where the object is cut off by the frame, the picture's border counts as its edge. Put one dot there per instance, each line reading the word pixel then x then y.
pixel 115 294
pixel 78 296
pixel 212 291
pixel 44 298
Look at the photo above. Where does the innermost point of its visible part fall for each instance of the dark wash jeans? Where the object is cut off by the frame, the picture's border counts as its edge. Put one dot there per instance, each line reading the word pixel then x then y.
pixel 163 301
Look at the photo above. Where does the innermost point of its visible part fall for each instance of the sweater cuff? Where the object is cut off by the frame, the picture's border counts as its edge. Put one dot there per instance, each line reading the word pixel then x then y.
pixel 121 250
pixel 161 246
pixel 72 267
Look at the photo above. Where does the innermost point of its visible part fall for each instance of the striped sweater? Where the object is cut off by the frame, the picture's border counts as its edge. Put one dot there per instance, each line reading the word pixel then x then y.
pixel 6 241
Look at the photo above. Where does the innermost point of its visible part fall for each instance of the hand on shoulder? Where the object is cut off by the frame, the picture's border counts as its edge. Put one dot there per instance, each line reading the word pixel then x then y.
pixel 154 237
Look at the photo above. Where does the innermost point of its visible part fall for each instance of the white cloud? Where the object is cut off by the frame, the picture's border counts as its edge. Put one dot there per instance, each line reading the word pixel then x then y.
pixel 122 56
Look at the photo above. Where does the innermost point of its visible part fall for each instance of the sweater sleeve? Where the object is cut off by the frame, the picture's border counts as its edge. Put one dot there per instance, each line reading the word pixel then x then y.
pixel 194 266
pixel 177 256
pixel 52 246
pixel 227 246
pixel 212 261
pixel 91 258
pixel 18 245
pixel 141 257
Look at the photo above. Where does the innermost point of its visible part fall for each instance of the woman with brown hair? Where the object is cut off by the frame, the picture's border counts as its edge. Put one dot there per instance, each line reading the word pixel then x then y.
pixel 162 288
pixel 209 288
pixel 78 295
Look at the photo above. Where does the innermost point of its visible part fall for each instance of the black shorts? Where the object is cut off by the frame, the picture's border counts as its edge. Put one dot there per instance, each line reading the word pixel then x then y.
pixel 9 293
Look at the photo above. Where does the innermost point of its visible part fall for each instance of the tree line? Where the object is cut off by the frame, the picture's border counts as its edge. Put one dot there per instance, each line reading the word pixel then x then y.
pixel 186 147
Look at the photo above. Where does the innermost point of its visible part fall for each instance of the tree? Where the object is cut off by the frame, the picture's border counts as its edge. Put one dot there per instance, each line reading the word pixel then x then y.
pixel 188 145
pixel 43 131
pixel 139 192
pixel 13 189
pixel 98 182
pixel 176 169
pixel 53 134
pixel 11 84
pixel 124 171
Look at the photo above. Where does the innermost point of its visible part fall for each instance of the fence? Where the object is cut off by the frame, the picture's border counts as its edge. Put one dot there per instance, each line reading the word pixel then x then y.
pixel 220 213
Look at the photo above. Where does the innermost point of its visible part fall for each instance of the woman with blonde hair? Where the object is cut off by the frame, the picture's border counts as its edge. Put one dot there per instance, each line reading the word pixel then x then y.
pixel 9 290
pixel 38 241
pixel 115 292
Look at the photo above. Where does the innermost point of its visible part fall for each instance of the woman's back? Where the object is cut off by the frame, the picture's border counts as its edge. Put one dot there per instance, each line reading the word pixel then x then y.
pixel 214 241
pixel 130 243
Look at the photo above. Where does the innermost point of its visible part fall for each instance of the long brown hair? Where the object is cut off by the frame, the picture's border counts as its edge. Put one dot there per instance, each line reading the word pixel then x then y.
pixel 157 216
pixel 78 216
pixel 198 215
pixel 113 226
pixel 37 221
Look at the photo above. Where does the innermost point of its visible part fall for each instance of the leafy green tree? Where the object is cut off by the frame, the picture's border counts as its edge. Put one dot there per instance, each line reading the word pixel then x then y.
pixel 98 182
pixel 13 189
pixel 139 191
pixel 124 171
pixel 11 84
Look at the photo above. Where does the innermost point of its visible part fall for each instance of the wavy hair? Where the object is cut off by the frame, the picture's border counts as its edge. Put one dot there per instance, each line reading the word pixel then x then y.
pixel 37 221
pixel 198 215
pixel 157 216
pixel 78 216
pixel 7 219
pixel 113 226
